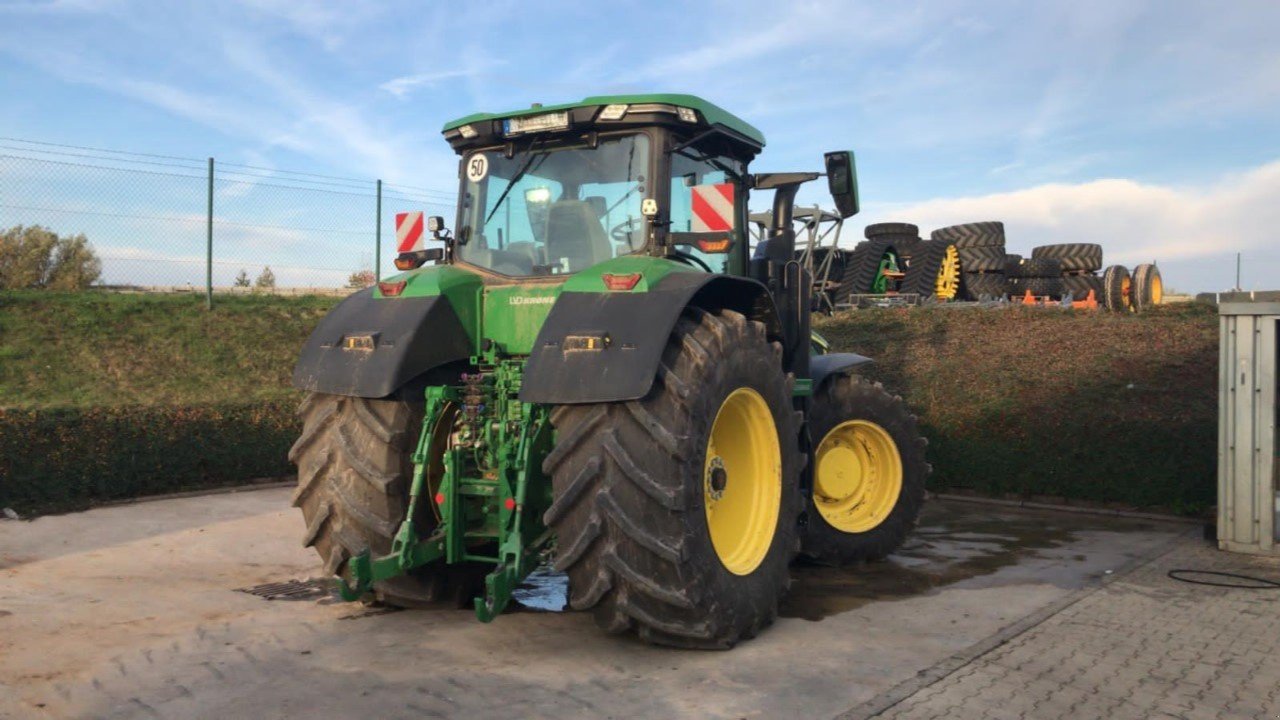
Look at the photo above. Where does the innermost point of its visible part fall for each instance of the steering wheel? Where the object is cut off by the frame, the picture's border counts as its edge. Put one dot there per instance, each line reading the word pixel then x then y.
pixel 691 260
pixel 623 231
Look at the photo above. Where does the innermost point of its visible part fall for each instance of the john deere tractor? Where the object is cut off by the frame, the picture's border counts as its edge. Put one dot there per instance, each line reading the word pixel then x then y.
pixel 593 370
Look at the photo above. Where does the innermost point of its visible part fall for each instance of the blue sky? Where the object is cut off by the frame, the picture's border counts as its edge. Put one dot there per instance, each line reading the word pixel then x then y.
pixel 1152 127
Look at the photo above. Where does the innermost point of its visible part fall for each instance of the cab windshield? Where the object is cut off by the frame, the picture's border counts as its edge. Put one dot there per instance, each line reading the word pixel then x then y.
pixel 554 210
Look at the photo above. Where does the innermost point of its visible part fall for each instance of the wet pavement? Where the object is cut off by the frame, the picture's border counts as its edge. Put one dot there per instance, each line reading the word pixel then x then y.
pixel 133 612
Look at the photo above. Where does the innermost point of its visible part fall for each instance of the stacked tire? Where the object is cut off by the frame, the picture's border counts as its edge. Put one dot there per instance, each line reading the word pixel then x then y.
pixel 862 266
pixel 905 238
pixel 980 246
pixel 1080 263
pixel 1042 277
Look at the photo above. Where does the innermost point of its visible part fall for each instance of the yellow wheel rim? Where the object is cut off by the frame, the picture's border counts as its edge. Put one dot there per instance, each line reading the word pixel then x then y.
pixel 1157 288
pixel 1126 294
pixel 947 283
pixel 742 481
pixel 858 477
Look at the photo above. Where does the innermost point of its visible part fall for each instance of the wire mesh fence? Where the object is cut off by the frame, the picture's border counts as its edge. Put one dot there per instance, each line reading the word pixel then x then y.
pixel 160 222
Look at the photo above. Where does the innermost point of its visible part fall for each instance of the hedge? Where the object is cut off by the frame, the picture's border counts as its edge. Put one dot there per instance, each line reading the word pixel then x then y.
pixel 62 459
pixel 1053 404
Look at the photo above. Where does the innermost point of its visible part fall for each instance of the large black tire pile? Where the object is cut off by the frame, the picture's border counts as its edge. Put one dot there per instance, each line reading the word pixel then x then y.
pixel 987 272
pixel 1080 263
pixel 982 257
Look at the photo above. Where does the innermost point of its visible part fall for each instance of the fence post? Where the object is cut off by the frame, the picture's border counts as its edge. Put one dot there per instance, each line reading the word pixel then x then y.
pixel 208 265
pixel 377 239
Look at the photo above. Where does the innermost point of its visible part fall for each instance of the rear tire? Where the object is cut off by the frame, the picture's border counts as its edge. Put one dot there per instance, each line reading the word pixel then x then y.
pixel 851 398
pixel 354 471
pixel 632 485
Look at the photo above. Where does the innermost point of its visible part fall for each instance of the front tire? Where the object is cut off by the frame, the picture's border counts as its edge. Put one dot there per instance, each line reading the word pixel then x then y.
pixel 647 491
pixel 868 476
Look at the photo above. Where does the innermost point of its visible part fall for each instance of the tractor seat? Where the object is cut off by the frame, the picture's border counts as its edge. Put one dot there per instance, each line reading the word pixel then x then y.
pixel 575 235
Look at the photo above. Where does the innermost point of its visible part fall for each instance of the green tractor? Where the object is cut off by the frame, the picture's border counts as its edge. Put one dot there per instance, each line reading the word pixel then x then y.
pixel 595 371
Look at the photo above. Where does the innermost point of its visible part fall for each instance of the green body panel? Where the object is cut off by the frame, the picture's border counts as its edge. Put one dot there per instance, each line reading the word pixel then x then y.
pixel 714 114
pixel 513 314
pixel 652 270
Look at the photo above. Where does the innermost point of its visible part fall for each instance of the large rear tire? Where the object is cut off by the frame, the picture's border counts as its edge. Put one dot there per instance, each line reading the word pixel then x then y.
pixel 646 491
pixel 354 470
pixel 869 473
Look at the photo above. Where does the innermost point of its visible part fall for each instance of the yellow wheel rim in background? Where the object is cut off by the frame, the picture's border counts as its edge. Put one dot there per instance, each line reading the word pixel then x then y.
pixel 1157 288
pixel 947 283
pixel 858 476
pixel 742 481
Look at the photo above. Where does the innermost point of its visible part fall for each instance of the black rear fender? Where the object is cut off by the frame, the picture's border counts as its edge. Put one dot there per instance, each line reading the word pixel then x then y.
pixel 605 347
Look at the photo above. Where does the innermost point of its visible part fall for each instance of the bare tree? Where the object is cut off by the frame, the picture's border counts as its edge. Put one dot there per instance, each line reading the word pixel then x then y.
pixel 266 279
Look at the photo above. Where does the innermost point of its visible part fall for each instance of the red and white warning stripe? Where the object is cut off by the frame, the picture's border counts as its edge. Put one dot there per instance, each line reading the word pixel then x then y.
pixel 712 208
pixel 409 231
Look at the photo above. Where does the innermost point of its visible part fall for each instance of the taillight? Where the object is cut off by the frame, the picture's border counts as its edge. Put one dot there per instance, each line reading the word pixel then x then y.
pixel 620 282
pixel 391 289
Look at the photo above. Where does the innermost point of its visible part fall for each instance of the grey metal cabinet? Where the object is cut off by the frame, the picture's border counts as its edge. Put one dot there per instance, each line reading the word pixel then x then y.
pixel 1248 491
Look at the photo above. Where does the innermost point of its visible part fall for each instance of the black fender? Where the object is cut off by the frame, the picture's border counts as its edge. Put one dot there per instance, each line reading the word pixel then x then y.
pixel 369 347
pixel 824 366
pixel 605 347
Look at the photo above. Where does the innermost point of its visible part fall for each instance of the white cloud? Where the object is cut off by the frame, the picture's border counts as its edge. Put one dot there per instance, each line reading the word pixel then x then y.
pixel 1193 231
pixel 401 86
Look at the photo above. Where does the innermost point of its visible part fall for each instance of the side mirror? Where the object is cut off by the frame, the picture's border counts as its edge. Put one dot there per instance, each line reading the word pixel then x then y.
pixel 842 181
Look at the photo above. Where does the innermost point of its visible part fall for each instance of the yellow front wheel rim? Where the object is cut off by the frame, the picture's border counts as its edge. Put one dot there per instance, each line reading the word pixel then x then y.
pixel 742 481
pixel 947 283
pixel 858 476
pixel 1157 289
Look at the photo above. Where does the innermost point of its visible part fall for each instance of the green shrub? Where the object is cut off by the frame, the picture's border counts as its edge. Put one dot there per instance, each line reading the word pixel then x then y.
pixel 1042 402
pixel 69 458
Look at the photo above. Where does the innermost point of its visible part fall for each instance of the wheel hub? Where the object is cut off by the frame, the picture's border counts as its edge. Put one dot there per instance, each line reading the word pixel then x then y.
pixel 717 478
pixel 742 516
pixel 858 476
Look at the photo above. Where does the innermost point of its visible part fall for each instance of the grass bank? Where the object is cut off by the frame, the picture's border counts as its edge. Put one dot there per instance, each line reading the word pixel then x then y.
pixel 106 396
pixel 1040 402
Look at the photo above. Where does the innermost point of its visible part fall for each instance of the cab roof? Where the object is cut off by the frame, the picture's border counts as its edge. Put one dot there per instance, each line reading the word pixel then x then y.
pixel 713 114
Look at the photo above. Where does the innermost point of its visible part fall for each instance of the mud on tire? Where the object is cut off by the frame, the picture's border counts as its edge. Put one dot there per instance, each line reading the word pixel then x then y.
pixel 848 398
pixel 629 499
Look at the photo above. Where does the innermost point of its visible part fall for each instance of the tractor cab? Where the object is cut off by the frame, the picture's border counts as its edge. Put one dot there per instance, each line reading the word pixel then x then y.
pixel 547 192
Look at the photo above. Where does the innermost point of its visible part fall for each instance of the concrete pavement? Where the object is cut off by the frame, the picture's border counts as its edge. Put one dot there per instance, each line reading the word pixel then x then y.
pixel 132 611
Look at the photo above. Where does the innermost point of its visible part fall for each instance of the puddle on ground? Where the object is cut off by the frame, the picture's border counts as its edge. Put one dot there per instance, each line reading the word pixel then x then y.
pixel 954 542
pixel 543 590
pixel 950 545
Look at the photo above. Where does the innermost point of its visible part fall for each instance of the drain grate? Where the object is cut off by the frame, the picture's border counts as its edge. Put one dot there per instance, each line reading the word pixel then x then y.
pixel 292 589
